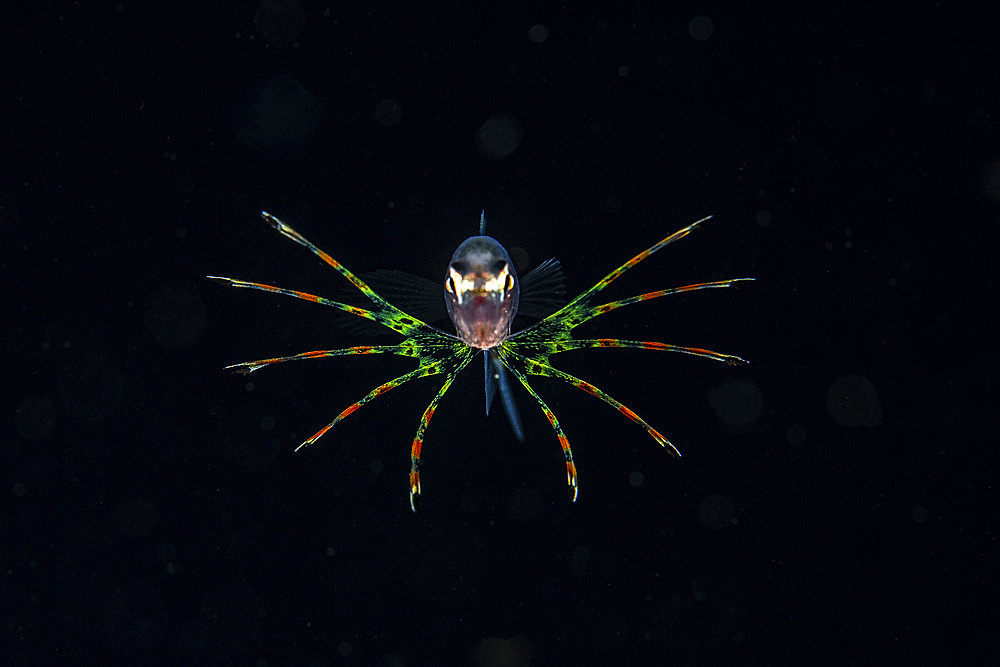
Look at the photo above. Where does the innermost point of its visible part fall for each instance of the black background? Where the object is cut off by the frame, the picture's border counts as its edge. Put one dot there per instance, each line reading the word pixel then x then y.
pixel 836 501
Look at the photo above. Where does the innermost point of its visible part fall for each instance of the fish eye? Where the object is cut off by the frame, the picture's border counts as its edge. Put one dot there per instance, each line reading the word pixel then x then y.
pixel 449 284
pixel 510 283
pixel 459 267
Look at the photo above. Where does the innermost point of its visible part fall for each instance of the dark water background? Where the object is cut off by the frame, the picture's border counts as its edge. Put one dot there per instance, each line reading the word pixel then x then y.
pixel 836 503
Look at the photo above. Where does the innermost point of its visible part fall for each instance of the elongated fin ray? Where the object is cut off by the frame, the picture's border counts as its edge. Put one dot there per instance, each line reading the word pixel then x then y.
pixel 347 308
pixel 248 367
pixel 290 233
pixel 377 391
pixel 551 416
pixel 577 344
pixel 544 369
pixel 588 313
pixel 614 275
pixel 418 439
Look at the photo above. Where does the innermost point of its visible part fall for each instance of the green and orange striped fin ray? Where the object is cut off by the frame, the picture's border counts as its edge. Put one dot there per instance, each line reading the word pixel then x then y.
pixel 347 308
pixel 425 420
pixel 582 315
pixel 384 312
pixel 394 319
pixel 286 231
pixel 450 365
pixel 448 358
pixel 377 391
pixel 579 344
pixel 250 366
pixel 584 297
pixel 534 367
pixel 507 357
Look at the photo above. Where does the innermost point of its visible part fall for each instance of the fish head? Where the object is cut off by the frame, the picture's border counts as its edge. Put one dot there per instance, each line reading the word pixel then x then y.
pixel 481 292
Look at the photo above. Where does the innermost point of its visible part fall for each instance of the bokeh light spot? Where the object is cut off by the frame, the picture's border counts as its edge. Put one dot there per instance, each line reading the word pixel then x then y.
pixel 738 404
pixel 538 33
pixel 701 28
pixel 499 136
pixel 852 401
pixel 388 112
pixel 280 117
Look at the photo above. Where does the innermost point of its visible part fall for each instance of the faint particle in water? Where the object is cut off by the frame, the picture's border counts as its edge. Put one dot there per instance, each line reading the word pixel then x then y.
pixel 19 489
pixel 176 317
pixel 716 512
pixel 920 514
pixel 852 401
pixel 388 112
pixel 35 418
pixel 538 33
pixel 738 404
pixel 763 218
pixel 636 479
pixel 344 648
pixel 499 136
pixel 701 28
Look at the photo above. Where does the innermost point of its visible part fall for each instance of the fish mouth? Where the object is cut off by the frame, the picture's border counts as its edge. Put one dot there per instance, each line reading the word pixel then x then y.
pixel 483 321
